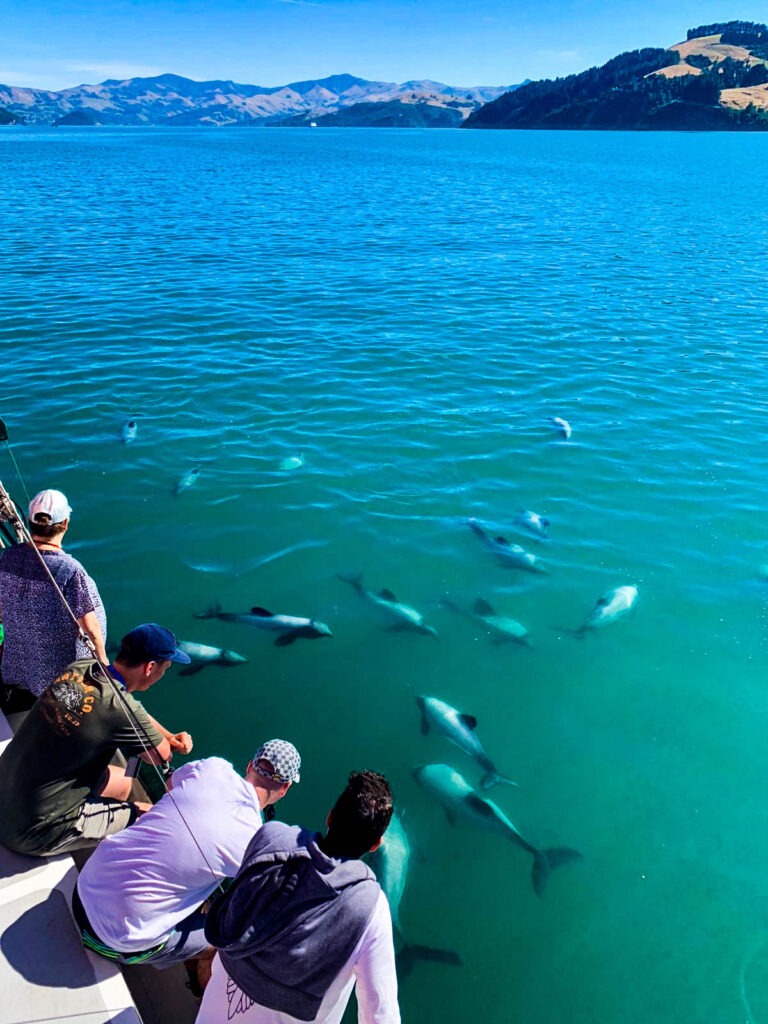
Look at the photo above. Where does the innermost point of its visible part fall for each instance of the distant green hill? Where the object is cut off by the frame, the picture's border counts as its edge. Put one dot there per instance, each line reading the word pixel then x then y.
pixel 77 119
pixel 716 79
pixel 6 117
pixel 392 114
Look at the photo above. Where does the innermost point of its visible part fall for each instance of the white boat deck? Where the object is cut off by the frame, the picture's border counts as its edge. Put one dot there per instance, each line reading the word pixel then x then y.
pixel 45 973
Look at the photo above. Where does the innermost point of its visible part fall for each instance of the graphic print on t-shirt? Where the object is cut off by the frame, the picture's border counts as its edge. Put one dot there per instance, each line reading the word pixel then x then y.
pixel 66 700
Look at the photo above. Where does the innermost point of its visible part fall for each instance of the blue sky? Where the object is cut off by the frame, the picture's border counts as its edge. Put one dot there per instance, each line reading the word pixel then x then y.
pixel 54 44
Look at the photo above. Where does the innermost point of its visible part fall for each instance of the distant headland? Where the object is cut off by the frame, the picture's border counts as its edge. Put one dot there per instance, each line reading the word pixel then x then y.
pixel 716 80
pixel 170 100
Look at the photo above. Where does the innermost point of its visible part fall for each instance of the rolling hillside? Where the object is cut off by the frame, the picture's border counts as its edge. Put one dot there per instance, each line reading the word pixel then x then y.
pixel 173 100
pixel 716 79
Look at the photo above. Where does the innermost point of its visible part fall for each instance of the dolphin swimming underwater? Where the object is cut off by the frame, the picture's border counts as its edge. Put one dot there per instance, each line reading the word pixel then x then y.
pixel 291 462
pixel 533 523
pixel 390 863
pixel 186 480
pixel 460 800
pixel 401 616
pixel 129 431
pixel 202 655
pixel 503 628
pixel 290 627
pixel 510 556
pixel 563 427
pixel 460 730
pixel 613 605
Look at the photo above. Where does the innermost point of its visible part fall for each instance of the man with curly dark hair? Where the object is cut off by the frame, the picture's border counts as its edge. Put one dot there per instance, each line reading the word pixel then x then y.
pixel 305 920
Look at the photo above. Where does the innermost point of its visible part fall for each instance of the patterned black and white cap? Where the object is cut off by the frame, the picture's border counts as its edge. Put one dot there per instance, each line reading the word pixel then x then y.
pixel 284 758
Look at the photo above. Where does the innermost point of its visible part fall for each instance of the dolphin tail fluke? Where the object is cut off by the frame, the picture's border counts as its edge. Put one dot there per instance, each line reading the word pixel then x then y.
pixel 493 778
pixel 545 861
pixel 354 579
pixel 213 612
pixel 477 529
pixel 409 955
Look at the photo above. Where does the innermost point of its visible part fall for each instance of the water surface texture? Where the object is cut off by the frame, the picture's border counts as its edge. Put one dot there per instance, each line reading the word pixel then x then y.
pixel 404 313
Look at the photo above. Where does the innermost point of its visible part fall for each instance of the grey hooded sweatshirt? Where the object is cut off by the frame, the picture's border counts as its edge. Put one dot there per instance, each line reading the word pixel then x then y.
pixel 291 919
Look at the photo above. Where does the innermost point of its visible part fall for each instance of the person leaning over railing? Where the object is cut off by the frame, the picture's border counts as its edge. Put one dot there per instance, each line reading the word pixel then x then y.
pixel 139 897
pixel 305 921
pixel 58 790
pixel 40 637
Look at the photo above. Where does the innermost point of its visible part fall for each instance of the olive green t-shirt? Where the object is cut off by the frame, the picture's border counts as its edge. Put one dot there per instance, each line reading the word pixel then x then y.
pixel 60 753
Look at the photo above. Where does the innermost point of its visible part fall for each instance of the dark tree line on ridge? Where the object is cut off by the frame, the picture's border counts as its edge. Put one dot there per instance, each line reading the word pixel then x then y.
pixel 626 94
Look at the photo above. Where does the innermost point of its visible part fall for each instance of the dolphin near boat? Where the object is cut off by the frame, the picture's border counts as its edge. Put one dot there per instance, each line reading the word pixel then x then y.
pixel 562 426
pixel 400 616
pixel 186 480
pixel 202 655
pixel 533 523
pixel 129 431
pixel 613 605
pixel 460 800
pixel 390 863
pixel 509 556
pixel 291 462
pixel 459 729
pixel 290 627
pixel 503 628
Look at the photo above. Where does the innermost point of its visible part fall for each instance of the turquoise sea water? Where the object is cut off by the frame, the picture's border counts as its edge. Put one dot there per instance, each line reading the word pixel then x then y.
pixel 408 310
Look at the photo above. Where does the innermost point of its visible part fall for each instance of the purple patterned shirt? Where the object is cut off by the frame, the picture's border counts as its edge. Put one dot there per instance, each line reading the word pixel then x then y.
pixel 40 638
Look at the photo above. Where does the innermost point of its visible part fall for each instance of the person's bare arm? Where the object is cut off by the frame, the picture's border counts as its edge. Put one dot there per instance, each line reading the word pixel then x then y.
pixel 90 626
pixel 179 741
pixel 156 755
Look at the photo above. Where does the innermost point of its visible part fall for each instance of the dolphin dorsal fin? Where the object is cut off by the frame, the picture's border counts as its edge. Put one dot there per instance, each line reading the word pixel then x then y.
pixel 469 720
pixel 502 540
pixel 481 607
pixel 387 594
pixel 479 806
pixel 262 612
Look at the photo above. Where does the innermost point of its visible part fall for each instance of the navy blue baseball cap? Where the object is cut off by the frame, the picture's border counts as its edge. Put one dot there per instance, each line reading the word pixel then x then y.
pixel 150 642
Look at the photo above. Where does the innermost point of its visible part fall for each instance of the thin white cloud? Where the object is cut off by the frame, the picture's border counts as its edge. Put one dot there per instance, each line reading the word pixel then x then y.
pixel 559 54
pixel 302 3
pixel 113 69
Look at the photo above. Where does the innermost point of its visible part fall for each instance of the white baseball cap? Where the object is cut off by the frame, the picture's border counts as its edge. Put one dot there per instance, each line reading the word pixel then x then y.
pixel 49 503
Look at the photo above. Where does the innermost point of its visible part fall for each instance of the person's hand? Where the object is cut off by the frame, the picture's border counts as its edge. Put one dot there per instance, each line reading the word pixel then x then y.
pixel 142 807
pixel 181 742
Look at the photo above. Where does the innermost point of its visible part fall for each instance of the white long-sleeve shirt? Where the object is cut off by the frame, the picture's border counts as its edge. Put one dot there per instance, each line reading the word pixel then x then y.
pixel 371 967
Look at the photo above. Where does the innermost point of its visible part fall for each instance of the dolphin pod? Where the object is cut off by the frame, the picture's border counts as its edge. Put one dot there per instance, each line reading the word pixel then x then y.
pixel 129 431
pixel 390 863
pixel 186 480
pixel 503 628
pixel 400 616
pixel 533 523
pixel 290 627
pixel 509 556
pixel 202 655
pixel 460 800
pixel 460 730
pixel 613 605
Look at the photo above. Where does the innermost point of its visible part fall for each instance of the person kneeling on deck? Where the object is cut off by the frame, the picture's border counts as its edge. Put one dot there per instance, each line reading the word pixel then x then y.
pixel 305 919
pixel 138 898
pixel 58 791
